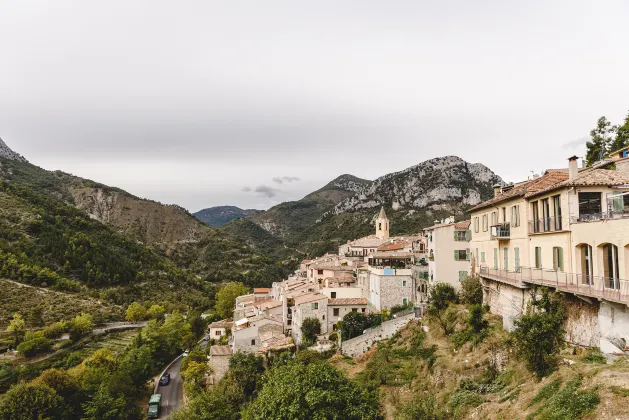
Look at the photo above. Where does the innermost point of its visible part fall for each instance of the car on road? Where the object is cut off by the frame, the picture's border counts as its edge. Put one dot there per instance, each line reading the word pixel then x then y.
pixel 165 379
pixel 154 405
pixel 186 353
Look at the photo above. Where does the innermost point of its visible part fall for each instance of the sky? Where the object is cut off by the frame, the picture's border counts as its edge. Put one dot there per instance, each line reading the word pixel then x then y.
pixel 249 103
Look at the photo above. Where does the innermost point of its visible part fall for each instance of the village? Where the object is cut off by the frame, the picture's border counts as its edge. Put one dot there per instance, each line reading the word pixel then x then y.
pixel 566 229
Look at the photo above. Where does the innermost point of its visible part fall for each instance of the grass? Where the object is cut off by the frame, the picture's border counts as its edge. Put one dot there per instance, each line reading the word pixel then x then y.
pixel 570 402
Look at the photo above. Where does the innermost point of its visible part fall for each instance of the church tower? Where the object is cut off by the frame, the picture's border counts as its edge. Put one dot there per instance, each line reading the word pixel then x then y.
pixel 382 225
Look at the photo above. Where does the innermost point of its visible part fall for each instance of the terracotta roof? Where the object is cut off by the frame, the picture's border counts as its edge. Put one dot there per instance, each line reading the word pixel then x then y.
pixel 220 350
pixel 592 178
pixel 261 290
pixel 392 255
pixel 348 279
pixel 392 247
pixel 463 225
pixel 309 298
pixel 348 301
pixel 225 323
pixel 269 304
pixel 368 241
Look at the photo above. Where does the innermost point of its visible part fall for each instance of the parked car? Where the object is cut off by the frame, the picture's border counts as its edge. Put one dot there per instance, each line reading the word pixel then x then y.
pixel 186 353
pixel 165 379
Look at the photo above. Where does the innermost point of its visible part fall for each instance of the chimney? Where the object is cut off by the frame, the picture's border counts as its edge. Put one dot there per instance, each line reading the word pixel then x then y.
pixel 573 167
pixel 497 189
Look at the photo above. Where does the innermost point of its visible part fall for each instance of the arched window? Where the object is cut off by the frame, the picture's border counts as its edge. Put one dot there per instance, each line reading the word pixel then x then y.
pixel 585 262
pixel 609 259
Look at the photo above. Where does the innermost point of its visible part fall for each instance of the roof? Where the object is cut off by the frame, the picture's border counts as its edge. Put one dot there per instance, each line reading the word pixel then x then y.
pixel 261 290
pixel 225 323
pixel 309 298
pixel 348 279
pixel 392 255
pixel 463 225
pixel 592 178
pixel 155 398
pixel 368 241
pixel 382 214
pixel 241 322
pixel 220 351
pixel 392 247
pixel 347 301
pixel 268 304
pixel 551 177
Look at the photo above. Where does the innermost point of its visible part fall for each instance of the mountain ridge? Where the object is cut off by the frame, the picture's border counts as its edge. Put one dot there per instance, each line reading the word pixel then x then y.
pixel 8 153
pixel 218 216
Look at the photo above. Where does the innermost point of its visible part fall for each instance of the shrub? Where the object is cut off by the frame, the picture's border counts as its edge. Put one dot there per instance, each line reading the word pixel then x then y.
pixel 420 407
pixel 310 329
pixel 471 291
pixel 399 308
pixel 354 323
pixel 333 337
pixel 34 346
pixel 461 400
pixel 442 295
pixel 595 356
pixel 569 402
pixel 55 330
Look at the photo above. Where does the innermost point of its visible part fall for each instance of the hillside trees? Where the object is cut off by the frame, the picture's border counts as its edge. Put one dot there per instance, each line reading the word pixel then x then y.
pixel 226 298
pixel 606 138
pixel 16 327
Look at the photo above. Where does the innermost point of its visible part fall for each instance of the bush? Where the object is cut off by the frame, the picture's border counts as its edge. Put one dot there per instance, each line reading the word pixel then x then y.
pixel 567 403
pixel 539 335
pixel 471 291
pixel 34 346
pixel 420 407
pixel 55 330
pixel 310 329
pixel 442 295
pixel 354 323
pixel 333 337
pixel 399 308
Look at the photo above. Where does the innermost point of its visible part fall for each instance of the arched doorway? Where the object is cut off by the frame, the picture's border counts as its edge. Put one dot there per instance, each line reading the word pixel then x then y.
pixel 585 262
pixel 609 259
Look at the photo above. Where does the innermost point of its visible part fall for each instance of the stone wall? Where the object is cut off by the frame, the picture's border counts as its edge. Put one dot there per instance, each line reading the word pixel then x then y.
pixel 220 366
pixel 359 345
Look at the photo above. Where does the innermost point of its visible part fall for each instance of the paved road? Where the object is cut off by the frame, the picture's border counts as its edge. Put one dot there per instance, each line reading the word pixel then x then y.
pixel 172 394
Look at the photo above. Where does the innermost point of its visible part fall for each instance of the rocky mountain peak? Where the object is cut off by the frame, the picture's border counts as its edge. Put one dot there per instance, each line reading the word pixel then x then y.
pixel 7 153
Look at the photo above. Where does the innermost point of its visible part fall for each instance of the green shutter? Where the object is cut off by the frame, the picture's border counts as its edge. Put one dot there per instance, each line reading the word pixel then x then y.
pixel 467 255
pixel 468 235
pixel 456 255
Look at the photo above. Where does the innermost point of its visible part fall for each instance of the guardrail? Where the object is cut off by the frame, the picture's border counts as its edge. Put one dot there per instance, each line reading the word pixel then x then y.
pixel 609 288
pixel 501 230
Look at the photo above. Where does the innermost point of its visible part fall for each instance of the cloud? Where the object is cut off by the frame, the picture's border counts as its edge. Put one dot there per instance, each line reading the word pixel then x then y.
pixel 573 144
pixel 246 189
pixel 266 191
pixel 289 179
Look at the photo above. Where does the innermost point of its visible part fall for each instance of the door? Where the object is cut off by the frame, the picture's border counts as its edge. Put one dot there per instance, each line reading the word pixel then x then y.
pixel 535 217
pixel 557 212
pixel 546 214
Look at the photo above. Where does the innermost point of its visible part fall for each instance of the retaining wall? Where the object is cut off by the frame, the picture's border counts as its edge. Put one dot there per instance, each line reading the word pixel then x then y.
pixel 359 345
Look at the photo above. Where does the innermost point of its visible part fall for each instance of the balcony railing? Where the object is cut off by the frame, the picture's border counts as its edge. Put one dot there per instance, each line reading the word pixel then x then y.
pixel 612 289
pixel 547 224
pixel 593 217
pixel 501 231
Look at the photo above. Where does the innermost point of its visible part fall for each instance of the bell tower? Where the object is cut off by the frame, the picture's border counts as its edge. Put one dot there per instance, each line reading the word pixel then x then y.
pixel 382 225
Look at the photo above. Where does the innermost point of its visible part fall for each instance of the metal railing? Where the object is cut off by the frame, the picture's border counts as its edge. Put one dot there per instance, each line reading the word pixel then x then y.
pixel 501 230
pixel 613 289
pixel 594 217
pixel 546 224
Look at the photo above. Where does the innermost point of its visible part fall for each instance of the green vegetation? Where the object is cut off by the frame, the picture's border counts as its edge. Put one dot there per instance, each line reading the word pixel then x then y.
pixel 567 403
pixel 471 292
pixel 442 295
pixel 310 329
pixel 226 298
pixel 606 138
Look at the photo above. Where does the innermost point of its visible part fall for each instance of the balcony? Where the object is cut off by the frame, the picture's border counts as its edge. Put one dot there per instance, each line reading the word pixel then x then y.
pixel 611 289
pixel 500 231
pixel 595 217
pixel 545 225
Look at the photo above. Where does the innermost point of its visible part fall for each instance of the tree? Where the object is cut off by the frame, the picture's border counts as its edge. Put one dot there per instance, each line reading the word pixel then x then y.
pixel 354 323
pixel 156 312
pixel 622 136
pixel 310 329
pixel 35 344
pixel 539 334
pixel 135 312
pixel 16 326
pixel 194 376
pixel 80 326
pixel 66 386
pixel 222 402
pixel 246 370
pixel 601 139
pixel 226 298
pixel 471 291
pixel 31 401
pixel 294 391
pixel 442 295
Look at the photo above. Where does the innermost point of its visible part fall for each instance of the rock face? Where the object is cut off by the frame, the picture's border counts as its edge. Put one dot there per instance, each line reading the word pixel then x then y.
pixel 430 184
pixel 7 153
pixel 218 216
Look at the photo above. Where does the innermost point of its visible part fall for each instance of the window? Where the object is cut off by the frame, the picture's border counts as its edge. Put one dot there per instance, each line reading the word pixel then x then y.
pixel 462 275
pixel 504 215
pixel 536 225
pixel 546 214
pixel 505 251
pixel 495 258
pixel 354 309
pixel 462 235
pixel 477 257
pixel 516 259
pixel 253 342
pixel 404 301
pixel 610 266
pixel 589 204
pixel 219 332
pixel 482 257
pixel 557 258
pixel 476 224
pixel 515 216
pixel 620 202
pixel 538 257
pixel 494 218
pixel 557 212
pixel 461 255
pixel 403 282
pixel 585 253
pixel 334 327
pixel 485 226
pixel 336 311
pixel 323 317
pixel 319 271
pixel 315 305
pixel 363 310
pixel 289 322
pixel 333 295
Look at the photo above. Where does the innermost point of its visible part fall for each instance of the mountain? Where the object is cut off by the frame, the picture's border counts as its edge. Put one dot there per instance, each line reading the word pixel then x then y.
pixel 7 153
pixel 218 216
pixel 288 219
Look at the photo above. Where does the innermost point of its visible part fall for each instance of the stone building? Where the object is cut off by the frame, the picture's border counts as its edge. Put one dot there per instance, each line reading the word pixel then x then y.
pixel 309 306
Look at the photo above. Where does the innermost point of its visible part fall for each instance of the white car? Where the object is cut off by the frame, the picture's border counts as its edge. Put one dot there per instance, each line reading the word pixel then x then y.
pixel 186 353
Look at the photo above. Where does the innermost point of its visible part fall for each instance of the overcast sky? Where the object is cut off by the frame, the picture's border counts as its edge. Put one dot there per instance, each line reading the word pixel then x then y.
pixel 251 103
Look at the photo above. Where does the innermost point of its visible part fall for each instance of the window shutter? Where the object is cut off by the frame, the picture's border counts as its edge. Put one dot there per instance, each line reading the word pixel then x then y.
pixel 456 255
pixel 468 235
pixel 560 257
pixel 456 235
pixel 467 255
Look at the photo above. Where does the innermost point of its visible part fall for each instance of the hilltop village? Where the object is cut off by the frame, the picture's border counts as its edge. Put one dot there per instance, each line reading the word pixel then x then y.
pixel 566 229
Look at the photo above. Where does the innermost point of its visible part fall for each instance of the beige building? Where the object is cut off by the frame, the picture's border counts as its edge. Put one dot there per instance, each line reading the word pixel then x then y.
pixel 568 230
pixel 313 305
pixel 449 254
pixel 219 329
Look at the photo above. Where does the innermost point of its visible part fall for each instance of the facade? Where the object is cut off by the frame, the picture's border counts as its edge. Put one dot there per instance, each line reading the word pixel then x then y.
pixel 309 306
pixel 219 329
pixel 390 280
pixel 338 308
pixel 567 230
pixel 449 254
pixel 246 332
pixel 219 363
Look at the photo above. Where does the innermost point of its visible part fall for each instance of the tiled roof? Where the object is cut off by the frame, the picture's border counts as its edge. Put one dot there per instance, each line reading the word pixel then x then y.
pixel 220 350
pixel 225 323
pixel 347 301
pixel 392 255
pixel 268 304
pixel 368 241
pixel 348 279
pixel 392 247
pixel 463 225
pixel 261 290
pixel 309 298
pixel 592 178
